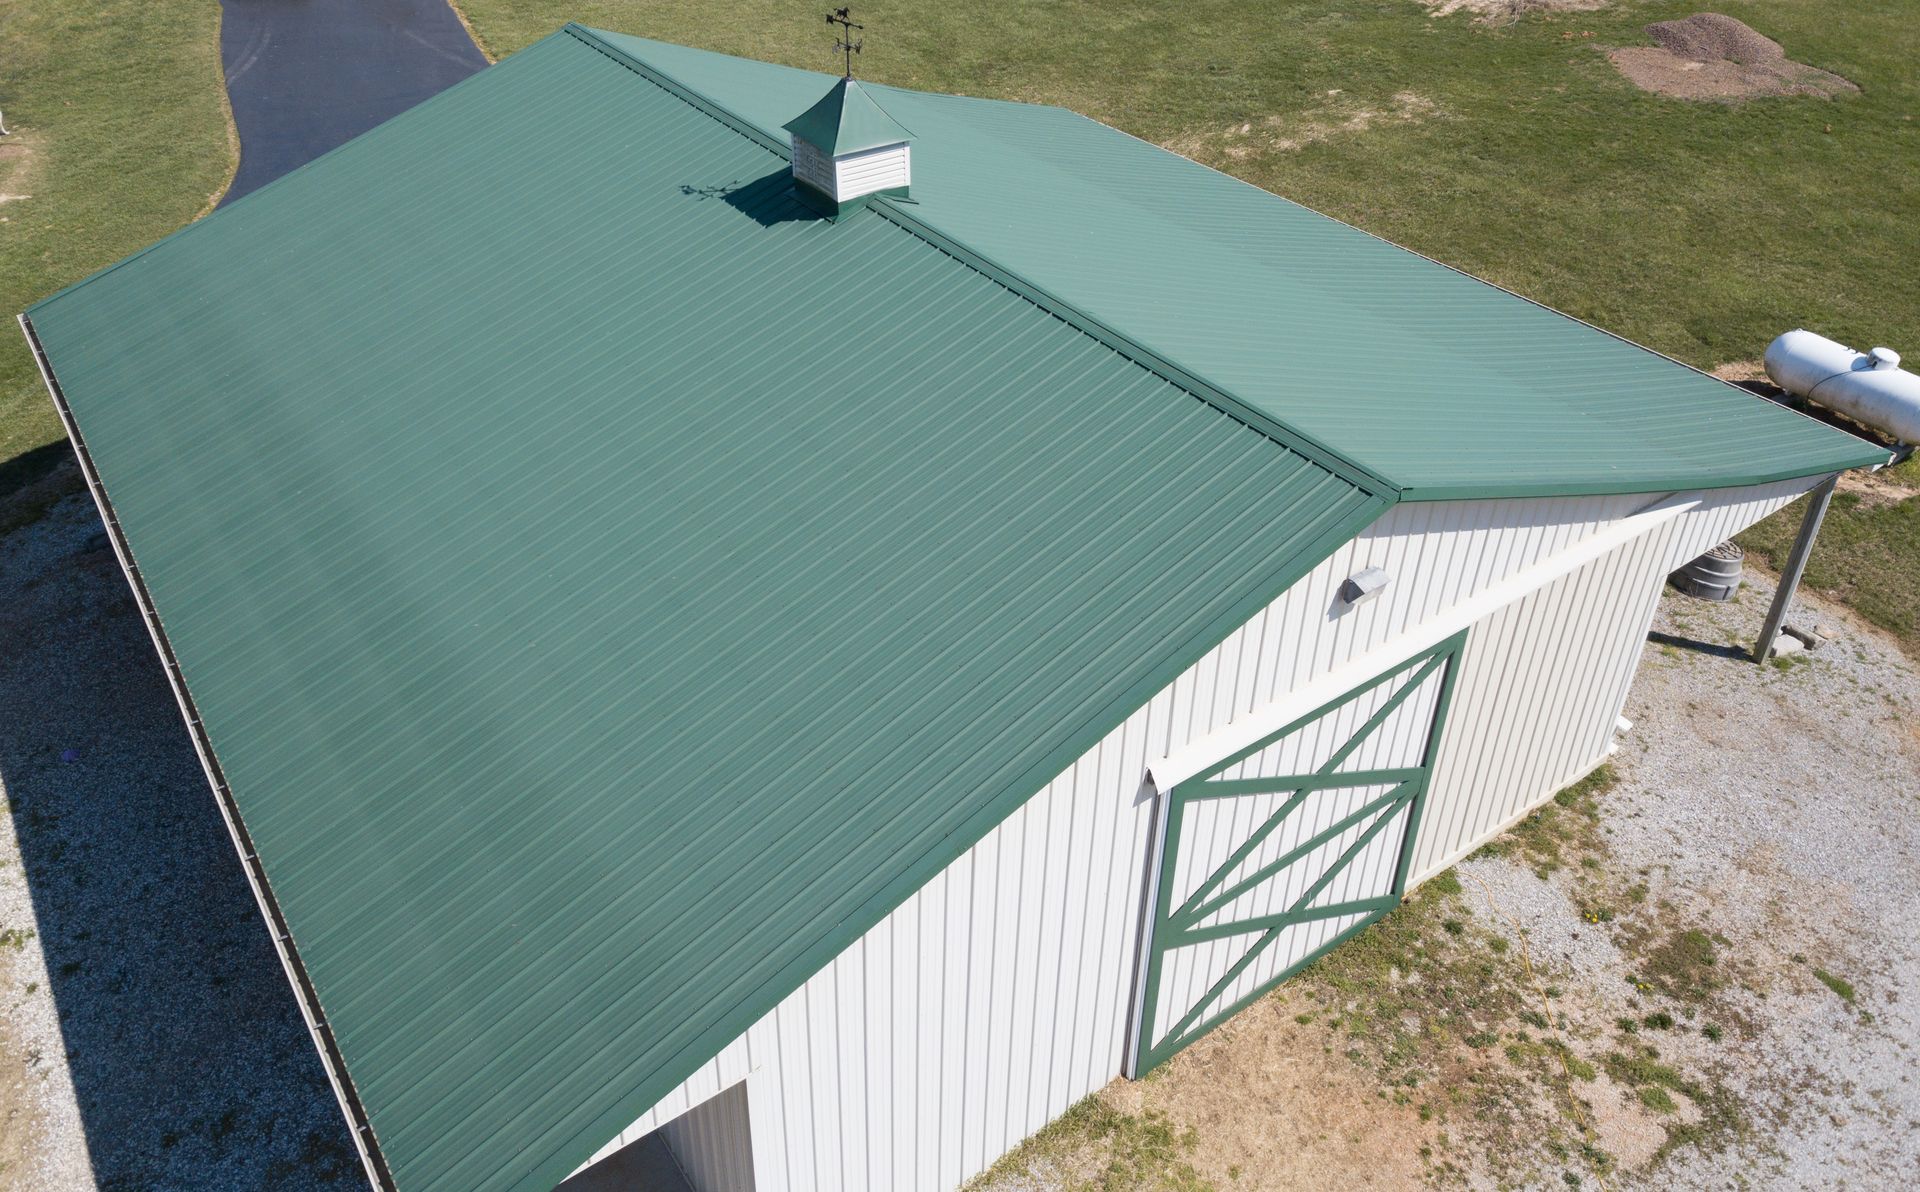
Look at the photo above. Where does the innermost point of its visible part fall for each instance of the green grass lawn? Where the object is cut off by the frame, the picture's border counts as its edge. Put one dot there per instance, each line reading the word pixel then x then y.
pixel 1867 556
pixel 1511 150
pixel 1515 152
pixel 119 136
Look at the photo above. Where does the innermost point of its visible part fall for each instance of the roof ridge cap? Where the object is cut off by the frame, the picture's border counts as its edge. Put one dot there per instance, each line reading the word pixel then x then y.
pixel 666 82
pixel 1166 369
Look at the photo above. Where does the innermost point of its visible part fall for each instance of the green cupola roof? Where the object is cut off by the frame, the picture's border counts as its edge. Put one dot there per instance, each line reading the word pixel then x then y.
pixel 847 120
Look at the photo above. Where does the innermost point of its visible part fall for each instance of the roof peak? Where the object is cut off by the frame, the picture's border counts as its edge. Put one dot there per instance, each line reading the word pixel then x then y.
pixel 847 119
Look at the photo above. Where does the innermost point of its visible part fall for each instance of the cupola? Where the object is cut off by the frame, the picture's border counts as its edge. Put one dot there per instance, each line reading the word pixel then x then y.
pixel 846 147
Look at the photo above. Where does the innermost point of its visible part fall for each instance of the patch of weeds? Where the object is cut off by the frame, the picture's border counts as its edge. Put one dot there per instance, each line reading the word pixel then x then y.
pixel 1839 986
pixel 1628 1026
pixel 1721 1117
pixel 15 937
pixel 1645 1068
pixel 1499 945
pixel 1683 966
pixel 1712 1031
pixel 1567 825
pixel 1436 1003
pixel 1600 1161
pixel 1659 1020
pixel 1137 1152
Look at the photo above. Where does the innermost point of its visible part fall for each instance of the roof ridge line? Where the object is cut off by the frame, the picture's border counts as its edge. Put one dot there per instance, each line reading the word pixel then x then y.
pixel 1165 368
pixel 1074 316
pixel 1463 272
pixel 679 90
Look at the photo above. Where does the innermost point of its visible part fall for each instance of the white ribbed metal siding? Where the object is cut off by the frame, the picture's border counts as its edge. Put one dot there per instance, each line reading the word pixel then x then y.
pixel 713 1143
pixel 999 994
pixel 1544 678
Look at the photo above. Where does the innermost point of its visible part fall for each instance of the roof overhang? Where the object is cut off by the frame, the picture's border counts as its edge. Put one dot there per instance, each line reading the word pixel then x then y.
pixel 358 1124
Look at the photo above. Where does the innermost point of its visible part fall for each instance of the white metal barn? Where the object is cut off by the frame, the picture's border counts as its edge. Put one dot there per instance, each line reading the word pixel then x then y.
pixel 1518 621
pixel 819 624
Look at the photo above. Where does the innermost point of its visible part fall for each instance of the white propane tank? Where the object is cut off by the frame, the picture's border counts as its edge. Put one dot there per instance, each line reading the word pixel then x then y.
pixel 1869 387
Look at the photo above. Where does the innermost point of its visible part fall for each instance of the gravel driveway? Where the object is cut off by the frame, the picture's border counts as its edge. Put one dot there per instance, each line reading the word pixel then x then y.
pixel 148 1038
pixel 1780 808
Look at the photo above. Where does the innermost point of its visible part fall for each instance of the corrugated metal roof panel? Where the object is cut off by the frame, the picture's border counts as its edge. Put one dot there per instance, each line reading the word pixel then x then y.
pixel 1444 385
pixel 846 120
pixel 608 589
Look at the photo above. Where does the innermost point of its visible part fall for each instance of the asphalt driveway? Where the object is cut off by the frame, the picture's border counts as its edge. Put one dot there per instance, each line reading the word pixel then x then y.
pixel 305 76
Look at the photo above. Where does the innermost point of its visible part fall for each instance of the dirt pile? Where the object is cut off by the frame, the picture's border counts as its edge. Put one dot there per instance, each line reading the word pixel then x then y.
pixel 1712 56
pixel 1705 36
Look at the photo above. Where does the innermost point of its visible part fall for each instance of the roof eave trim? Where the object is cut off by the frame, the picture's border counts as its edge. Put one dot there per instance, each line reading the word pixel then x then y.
pixel 1343 466
pixel 359 1124
pixel 1876 457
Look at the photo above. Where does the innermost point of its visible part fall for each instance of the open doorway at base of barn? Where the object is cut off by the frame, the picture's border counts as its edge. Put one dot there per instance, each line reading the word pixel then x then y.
pixel 1285 847
pixel 709 1148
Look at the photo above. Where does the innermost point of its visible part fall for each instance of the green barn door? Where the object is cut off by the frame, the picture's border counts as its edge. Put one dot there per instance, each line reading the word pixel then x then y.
pixel 1274 855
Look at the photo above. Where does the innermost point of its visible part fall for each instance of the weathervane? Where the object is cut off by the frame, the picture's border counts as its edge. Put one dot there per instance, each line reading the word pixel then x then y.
pixel 845 42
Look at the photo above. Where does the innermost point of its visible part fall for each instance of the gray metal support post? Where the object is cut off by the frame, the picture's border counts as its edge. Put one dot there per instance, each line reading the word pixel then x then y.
pixel 1795 568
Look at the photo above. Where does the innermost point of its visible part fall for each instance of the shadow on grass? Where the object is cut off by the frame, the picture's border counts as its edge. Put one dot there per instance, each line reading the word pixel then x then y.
pixel 1743 653
pixel 189 1058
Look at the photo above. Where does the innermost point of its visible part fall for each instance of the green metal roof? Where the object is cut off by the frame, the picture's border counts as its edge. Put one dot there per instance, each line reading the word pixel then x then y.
pixel 1442 385
pixel 846 120
pixel 606 589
